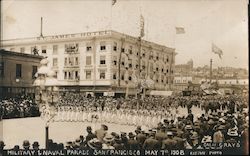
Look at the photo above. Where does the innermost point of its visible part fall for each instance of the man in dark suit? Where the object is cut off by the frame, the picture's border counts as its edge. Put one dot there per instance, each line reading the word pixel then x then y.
pixel 151 143
pixel 132 143
pixel 169 143
pixel 90 135
pixel 141 137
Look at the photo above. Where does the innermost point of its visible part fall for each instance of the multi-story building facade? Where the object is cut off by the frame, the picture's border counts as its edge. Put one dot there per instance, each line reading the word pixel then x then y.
pixel 101 61
pixel 17 73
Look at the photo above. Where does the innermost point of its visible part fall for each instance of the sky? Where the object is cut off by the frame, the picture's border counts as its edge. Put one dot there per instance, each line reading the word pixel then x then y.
pixel 222 22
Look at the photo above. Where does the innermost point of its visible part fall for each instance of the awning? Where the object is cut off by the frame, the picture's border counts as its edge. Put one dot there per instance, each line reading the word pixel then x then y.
pixel 160 93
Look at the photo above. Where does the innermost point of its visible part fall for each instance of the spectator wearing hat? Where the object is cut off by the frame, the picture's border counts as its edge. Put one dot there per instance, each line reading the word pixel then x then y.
pixel 26 145
pixel 16 148
pixel 169 143
pixel 81 140
pixel 132 143
pixel 218 136
pixel 94 144
pixel 194 140
pixel 141 137
pixel 90 135
pixel 124 139
pixel 151 143
pixel 100 133
pixel 35 145
pixel 118 143
pixel 178 137
pixel 161 134
pixel 108 141
pixel 2 144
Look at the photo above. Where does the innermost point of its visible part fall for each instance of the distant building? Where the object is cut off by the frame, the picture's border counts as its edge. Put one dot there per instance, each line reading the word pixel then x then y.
pixel 17 72
pixel 89 62
pixel 184 69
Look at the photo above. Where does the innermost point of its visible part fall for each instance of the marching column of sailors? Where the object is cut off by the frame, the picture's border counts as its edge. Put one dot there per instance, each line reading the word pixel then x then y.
pixel 123 116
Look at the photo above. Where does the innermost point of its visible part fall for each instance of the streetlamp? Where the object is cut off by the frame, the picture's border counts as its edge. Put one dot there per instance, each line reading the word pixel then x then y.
pixel 46 95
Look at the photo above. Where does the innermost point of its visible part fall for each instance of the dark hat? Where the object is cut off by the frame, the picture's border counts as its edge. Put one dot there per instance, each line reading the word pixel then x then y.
pixel 16 147
pixel 35 144
pixel 105 127
pixel 89 128
pixel 2 144
pixel 131 135
pixel 26 143
pixel 81 137
pixel 94 144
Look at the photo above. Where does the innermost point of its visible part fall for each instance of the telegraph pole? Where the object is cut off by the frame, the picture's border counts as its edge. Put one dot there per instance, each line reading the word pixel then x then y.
pixel 211 74
pixel 41 31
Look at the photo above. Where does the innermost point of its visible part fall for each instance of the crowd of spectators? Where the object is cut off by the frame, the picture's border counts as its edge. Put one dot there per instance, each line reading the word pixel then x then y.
pixel 18 107
pixel 159 124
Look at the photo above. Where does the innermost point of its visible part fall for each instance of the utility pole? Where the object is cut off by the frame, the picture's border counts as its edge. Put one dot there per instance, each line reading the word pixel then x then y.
pixel 170 74
pixel 211 70
pixel 41 31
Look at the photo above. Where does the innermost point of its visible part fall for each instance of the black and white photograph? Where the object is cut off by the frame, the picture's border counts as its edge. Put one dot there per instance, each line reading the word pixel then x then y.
pixel 124 77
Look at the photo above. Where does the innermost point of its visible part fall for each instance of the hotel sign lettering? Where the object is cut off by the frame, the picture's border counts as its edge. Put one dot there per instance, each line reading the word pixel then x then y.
pixel 67 36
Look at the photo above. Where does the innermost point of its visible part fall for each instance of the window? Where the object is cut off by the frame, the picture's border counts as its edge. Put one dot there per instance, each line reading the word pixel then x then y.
pixel 76 75
pixel 103 46
pixel 70 75
pixel 130 50
pixel 88 48
pixel 167 70
pixel 22 49
pixel 123 61
pixel 88 75
pixel 115 62
pixel 88 60
pixel 55 62
pixel 44 50
pixel 114 76
pixel 122 77
pixel 71 48
pixel 122 50
pixel 76 61
pixel 65 61
pixel 115 46
pixel 129 78
pixel 1 69
pixel 34 71
pixel 65 75
pixel 55 49
pixel 102 74
pixel 71 61
pixel 18 70
pixel 102 60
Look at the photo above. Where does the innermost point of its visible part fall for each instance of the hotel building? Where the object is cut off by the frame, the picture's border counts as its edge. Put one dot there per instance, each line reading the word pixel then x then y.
pixel 103 61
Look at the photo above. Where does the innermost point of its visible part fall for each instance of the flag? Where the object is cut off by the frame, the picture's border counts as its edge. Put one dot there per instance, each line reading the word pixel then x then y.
pixel 216 50
pixel 180 30
pixel 142 25
pixel 113 2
